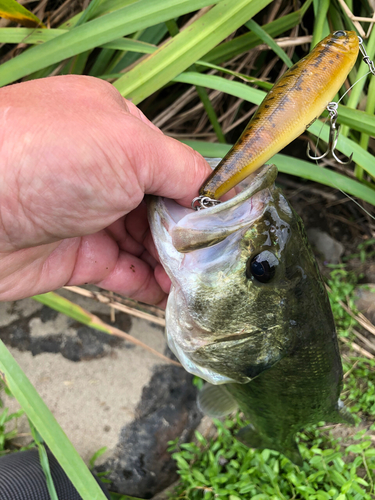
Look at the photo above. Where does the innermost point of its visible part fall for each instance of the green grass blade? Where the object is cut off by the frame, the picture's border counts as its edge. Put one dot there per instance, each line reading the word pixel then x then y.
pixel 102 62
pixel 320 24
pixel 241 76
pixel 243 43
pixel 365 137
pixel 88 12
pixel 299 168
pixel 152 35
pixel 203 96
pixel 268 40
pixel 120 23
pixel 44 463
pixel 345 145
pixel 215 82
pixel 65 306
pixel 28 35
pixel 131 45
pixel 363 121
pixel 187 47
pixel 362 71
pixel 48 428
pixel 36 37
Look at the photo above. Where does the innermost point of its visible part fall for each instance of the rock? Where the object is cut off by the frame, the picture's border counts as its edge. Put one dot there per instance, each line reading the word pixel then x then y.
pixel 365 301
pixel 330 249
pixel 369 273
pixel 141 465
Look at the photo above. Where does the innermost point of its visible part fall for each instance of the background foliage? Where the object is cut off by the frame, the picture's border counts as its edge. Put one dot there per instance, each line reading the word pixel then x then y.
pixel 198 69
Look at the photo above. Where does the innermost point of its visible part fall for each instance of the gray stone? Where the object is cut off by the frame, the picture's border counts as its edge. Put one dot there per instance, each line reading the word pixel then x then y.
pixel 141 465
pixel 365 301
pixel 328 248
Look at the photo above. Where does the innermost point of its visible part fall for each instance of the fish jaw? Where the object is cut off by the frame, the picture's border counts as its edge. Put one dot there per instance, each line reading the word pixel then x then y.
pixel 221 324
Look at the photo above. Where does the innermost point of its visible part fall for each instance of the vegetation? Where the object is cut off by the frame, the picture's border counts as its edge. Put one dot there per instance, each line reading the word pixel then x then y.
pixel 207 79
pixel 226 469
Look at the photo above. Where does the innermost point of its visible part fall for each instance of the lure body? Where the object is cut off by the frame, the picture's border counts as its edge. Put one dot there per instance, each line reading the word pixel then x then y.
pixel 294 102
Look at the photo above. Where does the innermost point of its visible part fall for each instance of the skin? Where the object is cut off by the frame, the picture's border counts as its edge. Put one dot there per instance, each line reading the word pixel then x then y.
pixel 294 102
pixel 76 160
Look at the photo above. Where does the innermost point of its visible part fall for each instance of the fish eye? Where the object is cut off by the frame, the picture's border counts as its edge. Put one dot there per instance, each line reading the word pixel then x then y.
pixel 262 266
pixel 339 33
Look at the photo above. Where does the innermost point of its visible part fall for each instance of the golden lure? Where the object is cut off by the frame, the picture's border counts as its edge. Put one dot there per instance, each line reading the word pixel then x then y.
pixel 295 101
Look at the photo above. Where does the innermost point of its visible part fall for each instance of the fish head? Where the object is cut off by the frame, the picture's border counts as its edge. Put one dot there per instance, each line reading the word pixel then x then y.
pixel 341 42
pixel 243 279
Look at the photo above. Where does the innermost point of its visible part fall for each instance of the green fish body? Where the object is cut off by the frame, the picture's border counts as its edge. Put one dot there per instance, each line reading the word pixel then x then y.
pixel 249 313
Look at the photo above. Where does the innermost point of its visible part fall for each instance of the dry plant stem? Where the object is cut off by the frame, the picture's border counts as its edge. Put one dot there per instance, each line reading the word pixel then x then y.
pixel 346 375
pixel 119 333
pixel 369 344
pixel 357 348
pixel 293 41
pixel 356 20
pixel 116 331
pixel 165 115
pixel 116 305
pixel 133 304
pixel 275 9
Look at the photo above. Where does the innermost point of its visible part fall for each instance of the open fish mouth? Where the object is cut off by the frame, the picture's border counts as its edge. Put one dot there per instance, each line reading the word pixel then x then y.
pixel 200 251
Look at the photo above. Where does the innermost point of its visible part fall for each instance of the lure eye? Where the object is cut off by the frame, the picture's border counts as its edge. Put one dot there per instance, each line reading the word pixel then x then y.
pixel 262 267
pixel 339 33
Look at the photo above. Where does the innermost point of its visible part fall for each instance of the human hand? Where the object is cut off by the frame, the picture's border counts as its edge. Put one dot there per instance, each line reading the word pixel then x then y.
pixel 75 162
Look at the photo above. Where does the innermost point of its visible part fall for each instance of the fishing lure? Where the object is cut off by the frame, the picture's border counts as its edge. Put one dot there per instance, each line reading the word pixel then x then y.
pixel 292 105
pixel 332 108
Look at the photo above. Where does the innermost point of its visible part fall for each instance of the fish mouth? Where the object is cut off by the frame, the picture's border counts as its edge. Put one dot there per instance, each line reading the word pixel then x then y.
pixel 207 239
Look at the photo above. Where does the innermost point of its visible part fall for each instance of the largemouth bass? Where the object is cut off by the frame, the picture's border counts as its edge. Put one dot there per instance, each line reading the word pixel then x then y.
pixel 248 309
pixel 294 102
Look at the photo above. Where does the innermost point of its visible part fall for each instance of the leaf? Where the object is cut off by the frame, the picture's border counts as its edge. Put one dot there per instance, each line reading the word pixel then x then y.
pixel 47 426
pixel 243 43
pixel 267 39
pixel 185 48
pixel 138 15
pixel 96 455
pixel 12 10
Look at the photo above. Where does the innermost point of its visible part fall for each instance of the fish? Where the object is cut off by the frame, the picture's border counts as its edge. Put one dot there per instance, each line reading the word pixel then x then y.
pixel 249 313
pixel 291 106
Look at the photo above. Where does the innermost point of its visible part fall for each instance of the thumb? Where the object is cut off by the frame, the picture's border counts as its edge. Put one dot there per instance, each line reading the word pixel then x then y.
pixel 169 168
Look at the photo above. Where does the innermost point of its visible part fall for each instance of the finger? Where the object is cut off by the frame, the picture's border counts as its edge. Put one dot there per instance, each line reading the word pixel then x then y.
pixel 137 223
pixel 133 110
pixel 123 239
pixel 150 246
pixel 147 257
pixel 133 278
pixel 99 261
pixel 162 278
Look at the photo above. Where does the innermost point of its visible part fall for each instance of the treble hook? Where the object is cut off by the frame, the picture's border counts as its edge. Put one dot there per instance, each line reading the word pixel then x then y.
pixel 333 137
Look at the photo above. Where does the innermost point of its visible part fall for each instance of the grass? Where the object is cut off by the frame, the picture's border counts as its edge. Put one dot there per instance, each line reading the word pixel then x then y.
pixel 215 60
pixel 226 469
